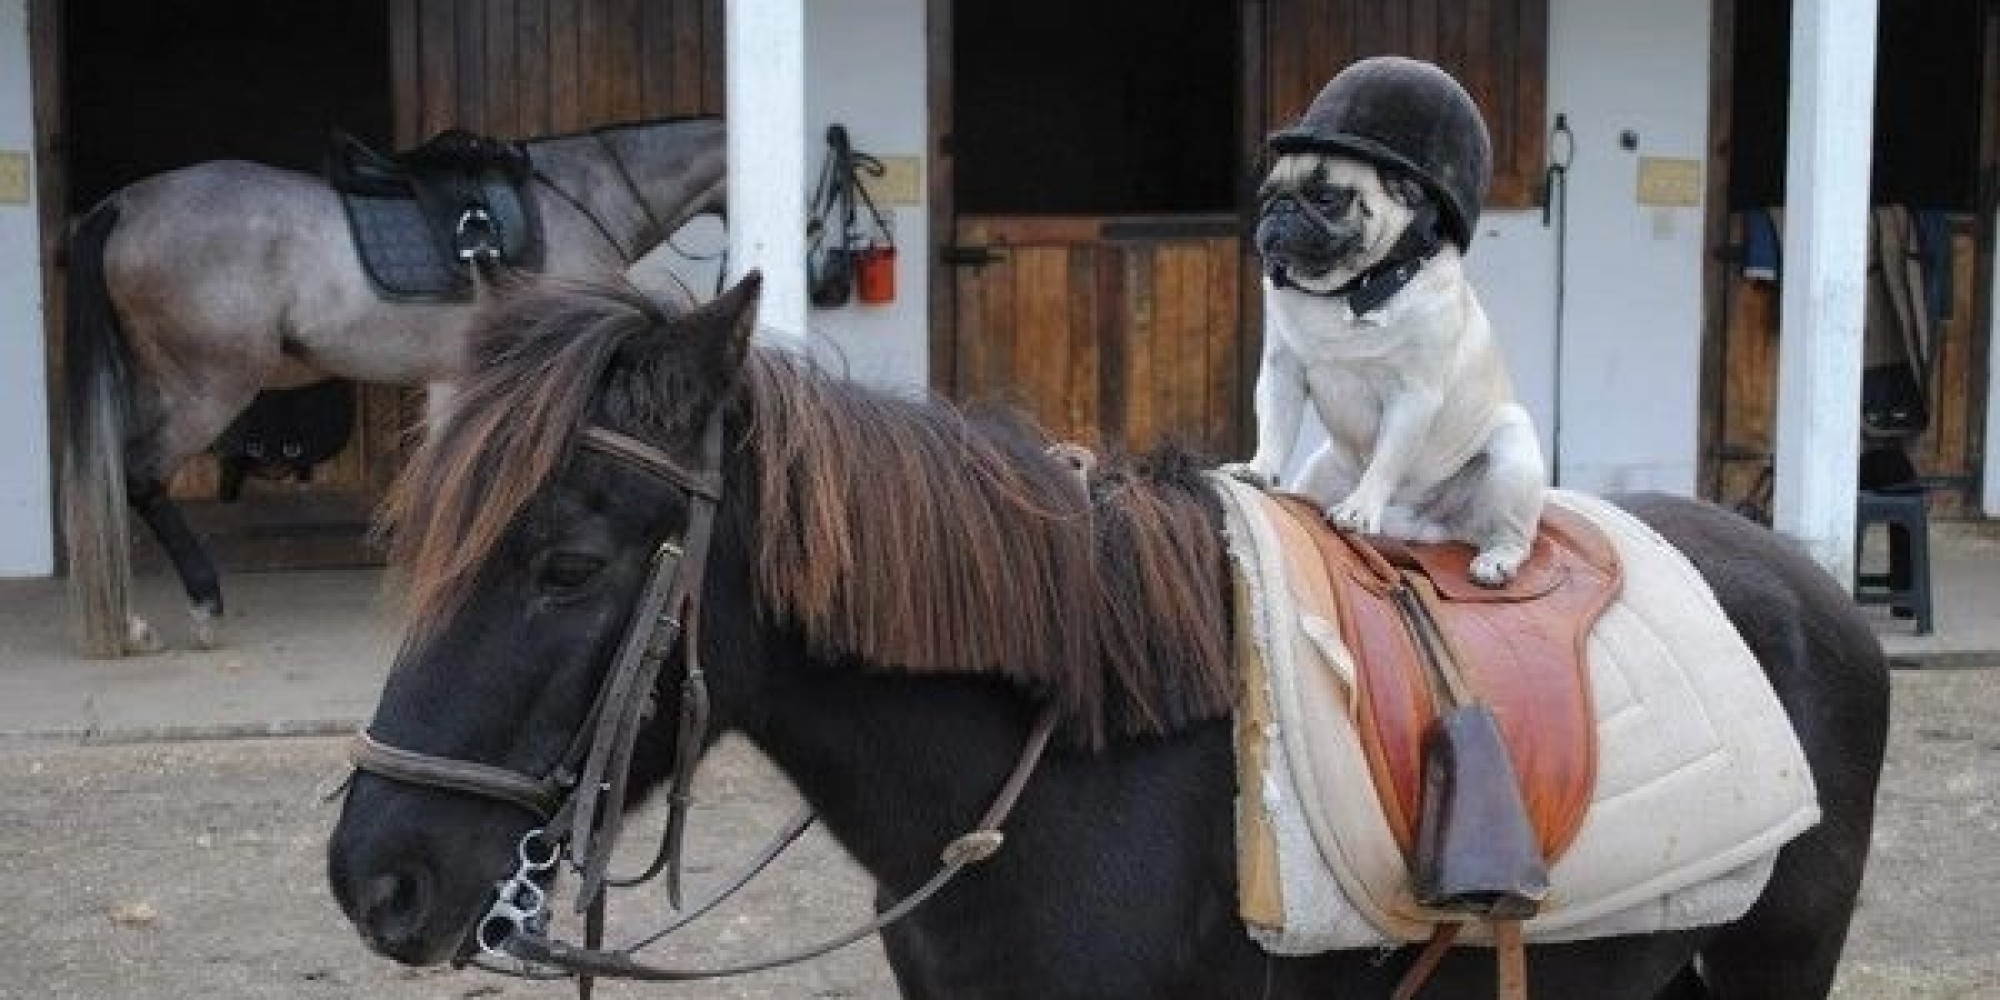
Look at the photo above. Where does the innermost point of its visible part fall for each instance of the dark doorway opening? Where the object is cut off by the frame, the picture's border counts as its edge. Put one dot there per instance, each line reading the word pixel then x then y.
pixel 150 87
pixel 153 86
pixel 1926 294
pixel 1096 107
pixel 1927 97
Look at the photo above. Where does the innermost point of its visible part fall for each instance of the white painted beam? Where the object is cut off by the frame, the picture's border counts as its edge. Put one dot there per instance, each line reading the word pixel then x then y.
pixel 27 539
pixel 1825 280
pixel 766 111
pixel 1989 474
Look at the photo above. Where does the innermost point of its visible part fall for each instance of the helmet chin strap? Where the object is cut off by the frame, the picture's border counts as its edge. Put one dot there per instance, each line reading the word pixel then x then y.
pixel 1374 287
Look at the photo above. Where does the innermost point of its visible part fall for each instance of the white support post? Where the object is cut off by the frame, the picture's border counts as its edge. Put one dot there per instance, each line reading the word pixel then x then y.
pixel 1825 280
pixel 27 539
pixel 1989 476
pixel 766 112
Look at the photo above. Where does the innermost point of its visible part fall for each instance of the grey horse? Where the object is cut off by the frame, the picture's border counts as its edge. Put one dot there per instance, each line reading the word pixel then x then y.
pixel 192 290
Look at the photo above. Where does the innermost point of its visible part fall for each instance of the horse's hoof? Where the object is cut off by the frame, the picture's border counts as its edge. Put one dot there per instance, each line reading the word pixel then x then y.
pixel 207 627
pixel 140 638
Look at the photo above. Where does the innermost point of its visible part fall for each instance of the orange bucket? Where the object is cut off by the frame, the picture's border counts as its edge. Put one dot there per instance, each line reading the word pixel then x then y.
pixel 875 274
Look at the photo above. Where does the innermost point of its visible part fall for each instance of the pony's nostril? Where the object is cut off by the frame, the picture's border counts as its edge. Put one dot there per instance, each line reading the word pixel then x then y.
pixel 394 906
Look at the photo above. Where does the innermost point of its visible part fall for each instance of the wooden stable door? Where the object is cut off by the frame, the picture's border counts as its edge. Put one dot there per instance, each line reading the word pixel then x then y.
pixel 1111 331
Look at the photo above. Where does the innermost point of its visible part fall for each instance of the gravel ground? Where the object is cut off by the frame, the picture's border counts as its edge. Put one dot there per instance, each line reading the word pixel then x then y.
pixel 196 870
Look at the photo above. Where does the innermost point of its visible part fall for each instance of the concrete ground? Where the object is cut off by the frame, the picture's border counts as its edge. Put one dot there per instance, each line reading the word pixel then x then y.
pixel 306 651
pixel 152 848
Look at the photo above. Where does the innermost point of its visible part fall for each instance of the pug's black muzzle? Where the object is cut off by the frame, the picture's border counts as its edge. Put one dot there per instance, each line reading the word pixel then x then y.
pixel 1295 239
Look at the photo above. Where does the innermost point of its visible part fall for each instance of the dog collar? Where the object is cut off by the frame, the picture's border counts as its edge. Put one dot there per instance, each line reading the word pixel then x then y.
pixel 1373 288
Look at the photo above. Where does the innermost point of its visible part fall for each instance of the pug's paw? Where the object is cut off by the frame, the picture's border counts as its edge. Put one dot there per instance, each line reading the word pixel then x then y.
pixel 1357 515
pixel 1496 566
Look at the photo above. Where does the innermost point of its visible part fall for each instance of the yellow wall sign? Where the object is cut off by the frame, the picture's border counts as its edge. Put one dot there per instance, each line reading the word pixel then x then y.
pixel 13 177
pixel 1670 182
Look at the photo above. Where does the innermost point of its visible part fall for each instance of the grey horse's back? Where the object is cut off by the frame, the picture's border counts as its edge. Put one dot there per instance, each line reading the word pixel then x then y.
pixel 244 268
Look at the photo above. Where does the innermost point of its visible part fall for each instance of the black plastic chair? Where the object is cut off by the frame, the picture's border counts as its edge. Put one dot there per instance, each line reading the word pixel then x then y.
pixel 1893 497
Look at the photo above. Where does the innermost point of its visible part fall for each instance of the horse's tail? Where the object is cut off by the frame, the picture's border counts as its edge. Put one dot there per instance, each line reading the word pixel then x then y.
pixel 96 518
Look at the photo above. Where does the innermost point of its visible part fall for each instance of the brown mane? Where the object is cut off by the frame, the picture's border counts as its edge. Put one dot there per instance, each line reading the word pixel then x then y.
pixel 903 533
pixel 916 536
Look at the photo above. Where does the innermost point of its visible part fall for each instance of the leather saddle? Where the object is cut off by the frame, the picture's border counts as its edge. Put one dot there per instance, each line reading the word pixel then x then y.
pixel 425 218
pixel 1473 703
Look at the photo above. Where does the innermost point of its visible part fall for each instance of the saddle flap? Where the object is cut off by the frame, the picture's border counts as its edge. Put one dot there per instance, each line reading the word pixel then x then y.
pixel 1448 565
pixel 423 217
pixel 1562 536
pixel 1521 649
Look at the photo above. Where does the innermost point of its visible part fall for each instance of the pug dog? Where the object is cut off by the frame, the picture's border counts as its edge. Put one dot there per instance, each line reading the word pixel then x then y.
pixel 1369 316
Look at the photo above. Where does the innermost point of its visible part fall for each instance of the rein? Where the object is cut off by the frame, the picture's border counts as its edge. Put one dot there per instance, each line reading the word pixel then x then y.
pixel 581 800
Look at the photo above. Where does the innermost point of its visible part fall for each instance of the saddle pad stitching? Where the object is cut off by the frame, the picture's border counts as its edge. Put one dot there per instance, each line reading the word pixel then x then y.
pixel 1705 762
pixel 1627 630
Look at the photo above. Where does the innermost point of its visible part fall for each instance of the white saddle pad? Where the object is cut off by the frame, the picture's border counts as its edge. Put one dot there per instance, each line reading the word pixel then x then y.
pixel 1700 778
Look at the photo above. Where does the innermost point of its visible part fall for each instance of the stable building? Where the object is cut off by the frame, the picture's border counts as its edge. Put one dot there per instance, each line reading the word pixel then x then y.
pixel 1068 187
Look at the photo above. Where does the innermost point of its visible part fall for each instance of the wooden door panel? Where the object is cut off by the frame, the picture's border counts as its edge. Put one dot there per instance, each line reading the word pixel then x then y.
pixel 1497 48
pixel 1182 373
pixel 1746 429
pixel 537 67
pixel 1030 339
pixel 1106 331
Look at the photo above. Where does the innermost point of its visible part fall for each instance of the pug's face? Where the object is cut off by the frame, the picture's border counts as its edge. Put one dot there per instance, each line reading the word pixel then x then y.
pixel 1322 219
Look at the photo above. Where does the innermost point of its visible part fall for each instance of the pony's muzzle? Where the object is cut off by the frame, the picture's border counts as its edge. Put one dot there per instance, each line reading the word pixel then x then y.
pixel 393 912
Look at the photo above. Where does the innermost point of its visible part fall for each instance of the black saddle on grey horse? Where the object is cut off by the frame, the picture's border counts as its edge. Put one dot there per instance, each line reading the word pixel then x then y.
pixel 424 218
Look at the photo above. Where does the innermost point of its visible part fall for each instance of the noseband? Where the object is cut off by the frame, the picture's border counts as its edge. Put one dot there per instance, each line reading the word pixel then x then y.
pixel 581 801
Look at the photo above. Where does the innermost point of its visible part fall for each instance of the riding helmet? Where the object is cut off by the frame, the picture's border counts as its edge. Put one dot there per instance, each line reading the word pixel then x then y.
pixel 1404 113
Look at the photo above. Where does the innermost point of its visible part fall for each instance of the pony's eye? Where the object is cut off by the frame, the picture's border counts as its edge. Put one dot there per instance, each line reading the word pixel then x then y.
pixel 564 571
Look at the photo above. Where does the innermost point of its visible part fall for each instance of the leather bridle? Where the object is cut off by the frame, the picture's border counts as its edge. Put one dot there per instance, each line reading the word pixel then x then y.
pixel 581 800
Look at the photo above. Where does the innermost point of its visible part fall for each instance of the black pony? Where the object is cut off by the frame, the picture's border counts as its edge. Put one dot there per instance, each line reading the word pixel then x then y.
pixel 894 593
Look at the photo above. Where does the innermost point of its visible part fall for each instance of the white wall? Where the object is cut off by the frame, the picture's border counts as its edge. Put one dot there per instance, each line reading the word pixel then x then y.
pixel 866 69
pixel 26 534
pixel 1629 380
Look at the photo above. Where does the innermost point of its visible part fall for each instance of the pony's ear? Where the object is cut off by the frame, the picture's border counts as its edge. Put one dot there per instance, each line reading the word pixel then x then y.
pixel 724 326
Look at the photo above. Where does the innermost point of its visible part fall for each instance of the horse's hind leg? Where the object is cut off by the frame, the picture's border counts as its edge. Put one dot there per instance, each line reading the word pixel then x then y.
pixel 190 558
pixel 182 423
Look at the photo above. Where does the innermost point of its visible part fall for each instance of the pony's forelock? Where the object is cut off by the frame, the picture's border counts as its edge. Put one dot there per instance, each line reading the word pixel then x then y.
pixel 538 360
